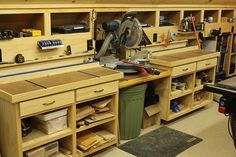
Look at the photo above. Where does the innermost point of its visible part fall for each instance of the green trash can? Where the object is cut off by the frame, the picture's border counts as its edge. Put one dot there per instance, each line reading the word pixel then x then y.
pixel 131 105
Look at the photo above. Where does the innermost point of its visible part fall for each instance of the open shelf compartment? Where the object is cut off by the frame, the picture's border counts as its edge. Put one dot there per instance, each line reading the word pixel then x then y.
pixel 203 77
pixel 180 106
pixel 94 113
pixel 181 86
pixel 202 98
pixel 43 128
pixel 211 13
pixel 195 13
pixel 172 17
pixel 17 22
pixel 227 13
pixel 95 139
pixel 147 17
pixel 70 19
pixel 58 148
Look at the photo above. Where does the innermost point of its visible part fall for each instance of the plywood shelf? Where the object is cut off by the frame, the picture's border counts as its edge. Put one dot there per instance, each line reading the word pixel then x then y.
pixel 183 111
pixel 195 13
pixel 198 88
pixel 95 124
pixel 170 16
pixel 212 13
pixel 179 93
pixel 93 150
pixel 37 138
pixel 60 155
pixel 200 104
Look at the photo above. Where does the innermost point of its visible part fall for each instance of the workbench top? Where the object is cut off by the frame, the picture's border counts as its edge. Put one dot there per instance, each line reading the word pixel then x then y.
pixel 181 58
pixel 42 86
pixel 134 79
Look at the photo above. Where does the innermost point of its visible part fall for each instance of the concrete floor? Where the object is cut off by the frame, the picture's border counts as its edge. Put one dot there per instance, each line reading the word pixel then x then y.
pixel 207 124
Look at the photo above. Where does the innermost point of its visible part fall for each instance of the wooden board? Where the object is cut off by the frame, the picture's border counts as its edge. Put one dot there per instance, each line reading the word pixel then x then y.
pixel 19 87
pixel 181 58
pixel 99 72
pixel 61 79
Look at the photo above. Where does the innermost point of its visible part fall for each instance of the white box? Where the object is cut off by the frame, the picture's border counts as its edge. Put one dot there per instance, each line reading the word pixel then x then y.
pixel 51 126
pixel 52 115
pixel 38 152
pixel 51 122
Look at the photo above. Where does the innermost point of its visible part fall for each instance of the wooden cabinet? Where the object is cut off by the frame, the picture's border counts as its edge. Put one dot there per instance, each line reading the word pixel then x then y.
pixel 189 71
pixel 64 95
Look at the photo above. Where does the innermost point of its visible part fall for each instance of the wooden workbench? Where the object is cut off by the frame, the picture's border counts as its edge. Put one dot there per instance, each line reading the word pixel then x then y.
pixel 187 66
pixel 31 97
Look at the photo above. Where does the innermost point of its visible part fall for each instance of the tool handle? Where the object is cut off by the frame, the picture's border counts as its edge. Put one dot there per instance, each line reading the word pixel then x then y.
pixel 144 71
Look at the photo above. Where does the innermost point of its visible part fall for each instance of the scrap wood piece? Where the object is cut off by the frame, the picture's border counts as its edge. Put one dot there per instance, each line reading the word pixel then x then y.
pixel 97 117
pixel 87 140
pixel 106 135
pixel 84 111
pixel 101 104
pixel 105 109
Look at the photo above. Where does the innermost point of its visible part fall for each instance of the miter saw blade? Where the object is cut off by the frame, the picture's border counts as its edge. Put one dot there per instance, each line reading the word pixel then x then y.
pixel 130 32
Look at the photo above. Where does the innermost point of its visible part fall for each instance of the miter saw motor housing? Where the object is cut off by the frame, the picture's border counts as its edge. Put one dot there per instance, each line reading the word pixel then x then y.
pixel 126 32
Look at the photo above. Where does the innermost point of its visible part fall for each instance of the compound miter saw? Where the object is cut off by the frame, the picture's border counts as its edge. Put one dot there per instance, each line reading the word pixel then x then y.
pixel 127 33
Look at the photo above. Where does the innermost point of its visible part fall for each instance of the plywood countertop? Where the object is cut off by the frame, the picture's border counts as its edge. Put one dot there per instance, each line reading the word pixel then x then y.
pixel 135 79
pixel 181 58
pixel 42 86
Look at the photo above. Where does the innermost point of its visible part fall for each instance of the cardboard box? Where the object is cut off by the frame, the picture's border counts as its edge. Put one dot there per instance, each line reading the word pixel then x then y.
pixel 151 116
pixel 38 152
pixel 51 126
pixel 51 122
pixel 49 150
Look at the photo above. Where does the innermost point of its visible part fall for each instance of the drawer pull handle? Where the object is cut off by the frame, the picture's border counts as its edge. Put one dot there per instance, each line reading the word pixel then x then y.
pixel 98 91
pixel 207 64
pixel 185 69
pixel 48 104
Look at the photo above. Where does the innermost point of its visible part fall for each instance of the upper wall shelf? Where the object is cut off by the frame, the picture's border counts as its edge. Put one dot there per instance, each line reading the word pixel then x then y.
pixel 147 17
pixel 108 16
pixel 195 13
pixel 211 13
pixel 227 13
pixel 70 19
pixel 17 22
pixel 169 18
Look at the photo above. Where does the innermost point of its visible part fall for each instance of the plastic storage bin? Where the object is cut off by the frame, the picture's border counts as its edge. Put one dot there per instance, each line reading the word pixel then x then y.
pixel 131 105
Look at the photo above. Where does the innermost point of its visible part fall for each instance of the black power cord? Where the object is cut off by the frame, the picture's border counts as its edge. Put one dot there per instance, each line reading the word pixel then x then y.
pixel 229 128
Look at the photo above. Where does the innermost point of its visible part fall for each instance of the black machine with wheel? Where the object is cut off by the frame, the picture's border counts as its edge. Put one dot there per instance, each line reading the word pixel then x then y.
pixel 227 104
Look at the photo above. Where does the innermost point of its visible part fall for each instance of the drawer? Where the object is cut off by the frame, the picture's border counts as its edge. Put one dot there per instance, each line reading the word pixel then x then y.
pixel 184 69
pixel 46 103
pixel 206 64
pixel 96 91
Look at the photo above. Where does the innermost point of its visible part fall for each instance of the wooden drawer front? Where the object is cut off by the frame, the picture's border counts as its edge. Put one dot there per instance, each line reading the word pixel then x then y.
pixel 206 64
pixel 46 103
pixel 184 69
pixel 96 91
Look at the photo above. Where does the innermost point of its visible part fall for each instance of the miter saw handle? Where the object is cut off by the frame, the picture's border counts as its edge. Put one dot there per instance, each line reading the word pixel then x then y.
pixel 144 69
pixel 129 14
